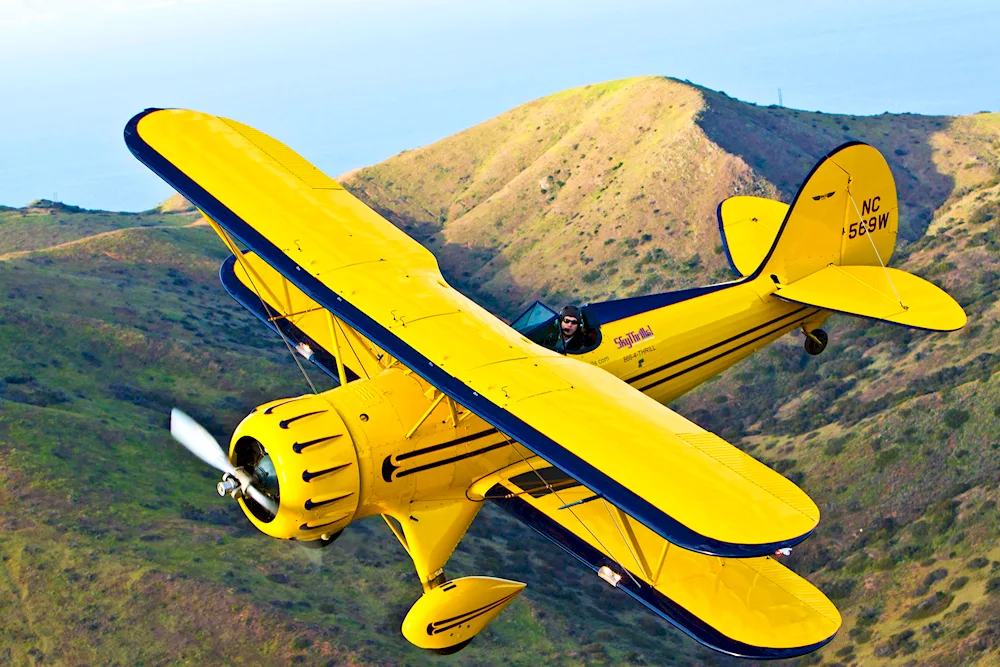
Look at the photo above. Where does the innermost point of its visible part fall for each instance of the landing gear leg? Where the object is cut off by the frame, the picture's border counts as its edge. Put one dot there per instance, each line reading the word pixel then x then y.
pixel 816 341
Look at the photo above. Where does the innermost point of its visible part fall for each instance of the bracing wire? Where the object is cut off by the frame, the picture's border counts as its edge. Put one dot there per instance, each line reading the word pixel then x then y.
pixel 879 256
pixel 267 309
pixel 575 515
pixel 628 545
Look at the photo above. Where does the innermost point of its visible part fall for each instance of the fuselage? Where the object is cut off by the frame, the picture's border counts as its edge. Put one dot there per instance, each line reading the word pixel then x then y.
pixel 666 352
pixel 409 453
pixel 384 444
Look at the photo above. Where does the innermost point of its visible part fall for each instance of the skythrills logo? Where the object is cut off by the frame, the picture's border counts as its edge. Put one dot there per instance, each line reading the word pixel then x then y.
pixel 633 337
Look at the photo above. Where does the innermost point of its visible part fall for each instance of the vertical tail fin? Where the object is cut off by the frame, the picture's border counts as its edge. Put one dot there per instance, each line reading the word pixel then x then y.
pixel 836 239
pixel 845 213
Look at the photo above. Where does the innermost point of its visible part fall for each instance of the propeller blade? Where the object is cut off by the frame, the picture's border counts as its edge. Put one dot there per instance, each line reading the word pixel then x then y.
pixel 198 441
pixel 267 503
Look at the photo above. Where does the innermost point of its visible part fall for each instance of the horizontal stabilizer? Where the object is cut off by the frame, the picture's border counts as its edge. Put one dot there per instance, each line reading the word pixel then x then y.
pixel 879 293
pixel 748 226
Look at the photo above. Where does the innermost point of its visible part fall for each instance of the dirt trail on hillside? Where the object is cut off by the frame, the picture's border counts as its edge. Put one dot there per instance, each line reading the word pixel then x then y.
pixel 22 253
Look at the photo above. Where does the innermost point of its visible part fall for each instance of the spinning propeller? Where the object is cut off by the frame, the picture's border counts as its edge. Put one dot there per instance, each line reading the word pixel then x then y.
pixel 235 481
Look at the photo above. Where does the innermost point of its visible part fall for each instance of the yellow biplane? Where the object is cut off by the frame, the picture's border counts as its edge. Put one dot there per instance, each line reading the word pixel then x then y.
pixel 441 406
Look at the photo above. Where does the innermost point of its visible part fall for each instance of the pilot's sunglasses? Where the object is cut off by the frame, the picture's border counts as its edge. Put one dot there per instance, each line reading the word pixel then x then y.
pixel 570 320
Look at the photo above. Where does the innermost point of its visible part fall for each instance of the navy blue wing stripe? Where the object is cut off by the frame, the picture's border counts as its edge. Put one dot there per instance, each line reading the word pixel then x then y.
pixel 623 497
pixel 655 601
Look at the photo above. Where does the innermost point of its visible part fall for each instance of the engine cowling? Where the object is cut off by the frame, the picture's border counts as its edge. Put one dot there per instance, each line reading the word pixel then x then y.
pixel 304 457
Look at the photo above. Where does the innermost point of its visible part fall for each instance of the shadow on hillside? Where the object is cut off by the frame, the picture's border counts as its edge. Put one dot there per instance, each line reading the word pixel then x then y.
pixel 783 144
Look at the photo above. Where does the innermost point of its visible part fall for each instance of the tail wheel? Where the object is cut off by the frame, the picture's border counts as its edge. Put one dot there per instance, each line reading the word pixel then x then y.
pixel 816 341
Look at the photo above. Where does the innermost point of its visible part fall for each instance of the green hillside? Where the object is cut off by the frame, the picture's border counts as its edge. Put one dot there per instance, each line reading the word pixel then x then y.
pixel 44 223
pixel 115 549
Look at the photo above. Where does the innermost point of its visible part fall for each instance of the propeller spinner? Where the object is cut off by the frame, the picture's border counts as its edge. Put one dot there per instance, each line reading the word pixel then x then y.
pixel 236 482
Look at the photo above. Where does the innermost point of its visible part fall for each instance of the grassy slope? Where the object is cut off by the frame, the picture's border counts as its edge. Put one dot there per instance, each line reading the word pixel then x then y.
pixel 894 432
pixel 44 224
pixel 567 197
pixel 114 548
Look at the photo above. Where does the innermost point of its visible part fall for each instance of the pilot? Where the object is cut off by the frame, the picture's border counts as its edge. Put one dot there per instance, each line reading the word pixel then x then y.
pixel 570 335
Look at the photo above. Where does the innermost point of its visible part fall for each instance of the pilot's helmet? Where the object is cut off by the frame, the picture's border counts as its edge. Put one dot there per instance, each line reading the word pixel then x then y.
pixel 571 311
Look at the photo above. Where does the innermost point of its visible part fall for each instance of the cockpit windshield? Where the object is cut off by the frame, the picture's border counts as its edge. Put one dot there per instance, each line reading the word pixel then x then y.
pixel 536 314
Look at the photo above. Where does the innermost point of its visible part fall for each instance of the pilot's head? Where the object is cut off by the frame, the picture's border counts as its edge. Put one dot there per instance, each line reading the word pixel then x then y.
pixel 569 320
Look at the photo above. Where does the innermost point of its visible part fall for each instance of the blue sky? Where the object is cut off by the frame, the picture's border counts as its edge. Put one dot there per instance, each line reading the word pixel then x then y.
pixel 351 83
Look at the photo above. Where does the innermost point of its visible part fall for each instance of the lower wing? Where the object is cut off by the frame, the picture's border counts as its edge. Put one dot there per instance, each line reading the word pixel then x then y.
pixel 747 607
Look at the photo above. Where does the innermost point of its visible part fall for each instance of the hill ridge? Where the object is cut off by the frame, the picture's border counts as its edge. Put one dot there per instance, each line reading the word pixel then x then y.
pixel 501 200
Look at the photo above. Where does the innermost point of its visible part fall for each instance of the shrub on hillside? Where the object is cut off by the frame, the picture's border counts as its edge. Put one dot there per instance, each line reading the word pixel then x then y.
pixel 930 606
pixel 955 418
pixel 901 642
pixel 958 583
pixel 985 213
pixel 860 635
pixel 834 447
pixel 977 563
pixel 941 515
pixel 935 576
pixel 933 629
pixel 886 457
pixel 913 552
pixel 840 589
pixel 856 564
pixel 784 465
pixel 33 393
pixel 919 530
pixel 846 652
pixel 868 617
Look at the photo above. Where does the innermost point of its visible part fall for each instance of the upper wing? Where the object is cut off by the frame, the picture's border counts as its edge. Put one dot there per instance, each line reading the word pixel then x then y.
pixel 753 608
pixel 685 484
